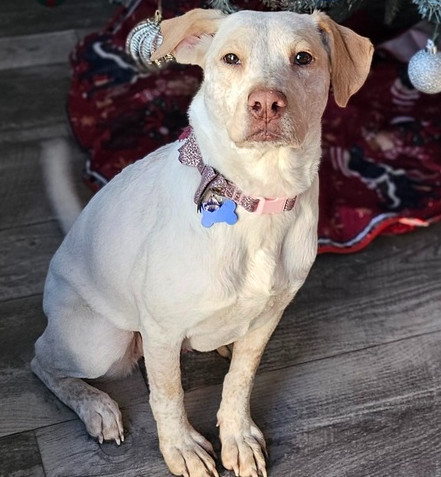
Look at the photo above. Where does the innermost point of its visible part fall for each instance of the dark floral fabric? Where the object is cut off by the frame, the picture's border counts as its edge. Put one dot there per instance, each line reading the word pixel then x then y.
pixel 381 165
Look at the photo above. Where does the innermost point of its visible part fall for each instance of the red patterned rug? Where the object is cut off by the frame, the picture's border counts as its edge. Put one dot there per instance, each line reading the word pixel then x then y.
pixel 381 166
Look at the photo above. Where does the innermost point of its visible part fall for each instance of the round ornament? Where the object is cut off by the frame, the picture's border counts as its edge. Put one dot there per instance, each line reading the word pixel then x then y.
pixel 425 69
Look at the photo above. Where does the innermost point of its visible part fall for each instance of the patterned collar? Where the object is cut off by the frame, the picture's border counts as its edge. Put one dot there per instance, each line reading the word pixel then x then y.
pixel 212 180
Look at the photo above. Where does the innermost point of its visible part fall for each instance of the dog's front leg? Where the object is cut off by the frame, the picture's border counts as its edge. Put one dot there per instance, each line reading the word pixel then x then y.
pixel 185 451
pixel 243 444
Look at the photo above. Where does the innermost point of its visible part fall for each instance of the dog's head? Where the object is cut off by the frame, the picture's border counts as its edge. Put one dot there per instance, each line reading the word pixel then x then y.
pixel 267 75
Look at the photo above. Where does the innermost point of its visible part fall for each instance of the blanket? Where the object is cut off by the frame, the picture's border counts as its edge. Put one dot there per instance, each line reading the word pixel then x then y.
pixel 381 166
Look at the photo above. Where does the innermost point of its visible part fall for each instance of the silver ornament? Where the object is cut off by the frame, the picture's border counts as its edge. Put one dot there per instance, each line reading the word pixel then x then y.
pixel 143 40
pixel 425 69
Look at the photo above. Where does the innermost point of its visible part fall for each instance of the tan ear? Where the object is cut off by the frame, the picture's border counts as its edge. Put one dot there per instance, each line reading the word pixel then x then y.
pixel 350 56
pixel 187 37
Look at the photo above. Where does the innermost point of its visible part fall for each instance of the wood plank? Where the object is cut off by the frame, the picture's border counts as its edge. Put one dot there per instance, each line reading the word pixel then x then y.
pixel 355 402
pixel 24 17
pixel 402 441
pixel 354 301
pixel 33 98
pixel 35 50
pixel 23 200
pixel 25 253
pixel 138 455
pixel 25 403
pixel 20 456
pixel 21 322
pixel 22 197
pixel 373 413
pixel 35 133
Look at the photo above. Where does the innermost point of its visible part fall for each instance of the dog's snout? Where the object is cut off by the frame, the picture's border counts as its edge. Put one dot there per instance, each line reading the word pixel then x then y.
pixel 266 104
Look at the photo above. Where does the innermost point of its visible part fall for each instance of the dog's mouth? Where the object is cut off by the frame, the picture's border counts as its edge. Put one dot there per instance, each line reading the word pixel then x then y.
pixel 281 131
pixel 265 135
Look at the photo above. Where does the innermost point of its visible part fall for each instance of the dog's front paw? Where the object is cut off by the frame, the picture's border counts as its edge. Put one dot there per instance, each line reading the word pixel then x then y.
pixel 188 454
pixel 243 449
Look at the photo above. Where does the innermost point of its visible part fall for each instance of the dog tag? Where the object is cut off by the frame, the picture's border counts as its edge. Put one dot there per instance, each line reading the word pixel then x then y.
pixel 214 211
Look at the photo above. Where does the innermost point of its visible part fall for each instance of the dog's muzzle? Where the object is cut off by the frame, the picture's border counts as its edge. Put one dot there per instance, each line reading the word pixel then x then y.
pixel 266 110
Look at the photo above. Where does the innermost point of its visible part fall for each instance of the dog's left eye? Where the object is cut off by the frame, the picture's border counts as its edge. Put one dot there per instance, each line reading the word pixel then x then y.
pixel 303 58
pixel 231 59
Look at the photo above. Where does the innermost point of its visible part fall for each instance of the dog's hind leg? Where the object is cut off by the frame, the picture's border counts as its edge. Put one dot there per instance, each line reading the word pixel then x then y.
pixel 99 412
pixel 61 367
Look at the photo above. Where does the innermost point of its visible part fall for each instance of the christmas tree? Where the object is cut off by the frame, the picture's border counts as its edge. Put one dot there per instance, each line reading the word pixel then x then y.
pixel 393 11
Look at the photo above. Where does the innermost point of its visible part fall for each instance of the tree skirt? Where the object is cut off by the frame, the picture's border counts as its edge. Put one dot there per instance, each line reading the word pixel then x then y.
pixel 381 165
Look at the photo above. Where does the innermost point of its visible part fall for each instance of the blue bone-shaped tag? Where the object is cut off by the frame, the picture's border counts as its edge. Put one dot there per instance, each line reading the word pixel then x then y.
pixel 215 212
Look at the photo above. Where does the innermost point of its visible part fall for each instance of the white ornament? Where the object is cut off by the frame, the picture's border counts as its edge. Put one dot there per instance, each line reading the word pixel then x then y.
pixel 425 69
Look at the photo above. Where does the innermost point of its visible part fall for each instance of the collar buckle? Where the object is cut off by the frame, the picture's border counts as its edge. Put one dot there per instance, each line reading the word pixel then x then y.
pixel 271 206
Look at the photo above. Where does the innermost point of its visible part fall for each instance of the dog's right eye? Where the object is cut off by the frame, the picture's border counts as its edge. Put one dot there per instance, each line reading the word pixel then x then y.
pixel 303 58
pixel 231 59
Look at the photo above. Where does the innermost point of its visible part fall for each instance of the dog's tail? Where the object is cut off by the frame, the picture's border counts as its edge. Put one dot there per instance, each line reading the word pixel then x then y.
pixel 56 163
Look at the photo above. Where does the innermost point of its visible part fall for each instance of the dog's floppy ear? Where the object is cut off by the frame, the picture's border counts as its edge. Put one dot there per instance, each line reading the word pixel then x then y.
pixel 350 57
pixel 188 37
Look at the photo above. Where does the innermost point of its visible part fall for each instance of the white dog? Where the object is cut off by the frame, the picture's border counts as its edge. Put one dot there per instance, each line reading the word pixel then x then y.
pixel 204 242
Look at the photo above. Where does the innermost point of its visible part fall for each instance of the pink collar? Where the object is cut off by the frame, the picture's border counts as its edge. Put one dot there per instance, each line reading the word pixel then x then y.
pixel 212 180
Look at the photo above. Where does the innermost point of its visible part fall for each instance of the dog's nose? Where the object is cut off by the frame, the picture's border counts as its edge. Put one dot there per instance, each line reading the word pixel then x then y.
pixel 265 104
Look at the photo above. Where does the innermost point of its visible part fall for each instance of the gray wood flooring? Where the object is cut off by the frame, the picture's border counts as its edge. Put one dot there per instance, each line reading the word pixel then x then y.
pixel 350 384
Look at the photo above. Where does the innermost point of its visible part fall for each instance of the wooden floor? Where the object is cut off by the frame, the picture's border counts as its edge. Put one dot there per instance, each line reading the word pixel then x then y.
pixel 350 384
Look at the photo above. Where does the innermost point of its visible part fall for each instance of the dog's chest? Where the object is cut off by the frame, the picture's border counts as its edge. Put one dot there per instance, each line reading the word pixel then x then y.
pixel 222 282
pixel 233 321
pixel 251 284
